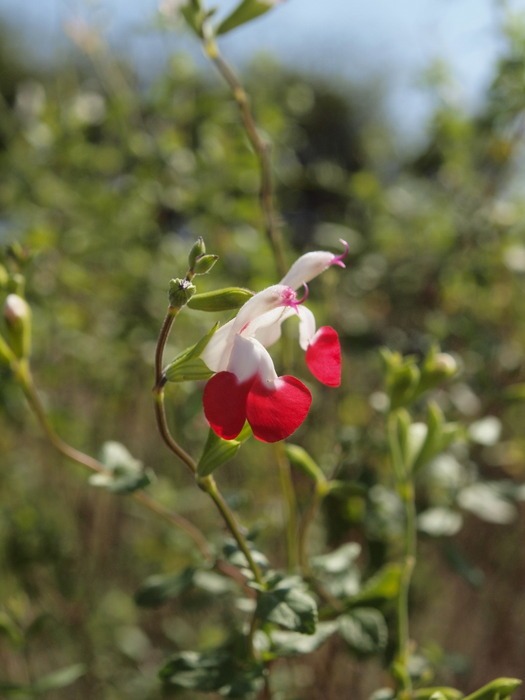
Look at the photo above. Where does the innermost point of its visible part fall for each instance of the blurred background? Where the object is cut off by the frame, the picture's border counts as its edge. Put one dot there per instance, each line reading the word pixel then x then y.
pixel 397 127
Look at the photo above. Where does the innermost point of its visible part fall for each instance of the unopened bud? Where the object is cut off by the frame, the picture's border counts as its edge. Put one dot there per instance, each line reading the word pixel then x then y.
pixel 445 364
pixel 226 299
pixel 204 263
pixel 197 251
pixel 180 292
pixel 17 316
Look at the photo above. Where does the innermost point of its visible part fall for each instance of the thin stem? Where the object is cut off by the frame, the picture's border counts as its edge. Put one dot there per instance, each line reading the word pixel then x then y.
pixel 209 486
pixel 290 505
pixel 261 149
pixel 405 489
pixel 158 391
pixel 304 528
pixel 25 378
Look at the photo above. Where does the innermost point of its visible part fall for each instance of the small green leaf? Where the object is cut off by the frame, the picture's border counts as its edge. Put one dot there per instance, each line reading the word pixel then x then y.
pixel 218 451
pixel 198 248
pixel 227 299
pixel 499 689
pixel 187 365
pixel 339 570
pixel 300 459
pixel 124 473
pixel 439 522
pixel 294 643
pixel 364 630
pixel 157 590
pixel 195 15
pixel 59 679
pixel 288 605
pixel 245 11
pixel 437 693
pixel 382 586
pixel 192 370
pixel 222 670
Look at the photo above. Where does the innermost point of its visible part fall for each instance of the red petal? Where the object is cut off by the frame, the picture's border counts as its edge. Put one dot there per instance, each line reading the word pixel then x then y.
pixel 274 413
pixel 225 404
pixel 323 356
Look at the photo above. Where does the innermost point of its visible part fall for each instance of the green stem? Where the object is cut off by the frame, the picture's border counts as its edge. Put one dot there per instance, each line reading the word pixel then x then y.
pixel 261 149
pixel 209 486
pixel 405 489
pixel 158 391
pixel 290 506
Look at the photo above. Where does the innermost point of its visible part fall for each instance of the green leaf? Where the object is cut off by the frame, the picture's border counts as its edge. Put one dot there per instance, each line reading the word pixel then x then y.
pixel 437 693
pixel 383 586
pixel 59 679
pixel 221 670
pixel 339 570
pixel 191 370
pixel 218 451
pixel 499 689
pixel 124 473
pixel 195 15
pixel 227 299
pixel 439 522
pixel 288 605
pixel 187 366
pixel 364 630
pixel 157 590
pixel 294 643
pixel 245 11
pixel 300 459
pixel 235 556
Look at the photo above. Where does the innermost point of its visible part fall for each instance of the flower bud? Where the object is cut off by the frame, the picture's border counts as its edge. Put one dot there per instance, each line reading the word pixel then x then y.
pixel 196 252
pixel 226 299
pixel 17 315
pixel 180 292
pixel 204 263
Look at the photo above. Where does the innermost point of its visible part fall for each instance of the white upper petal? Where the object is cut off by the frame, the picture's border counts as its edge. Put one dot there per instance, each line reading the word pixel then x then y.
pixel 307 267
pixel 260 315
pixel 248 358
pixel 217 353
pixel 270 298
pixel 306 326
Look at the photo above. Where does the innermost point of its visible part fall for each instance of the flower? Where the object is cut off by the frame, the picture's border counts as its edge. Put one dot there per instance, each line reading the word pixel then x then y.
pixel 246 385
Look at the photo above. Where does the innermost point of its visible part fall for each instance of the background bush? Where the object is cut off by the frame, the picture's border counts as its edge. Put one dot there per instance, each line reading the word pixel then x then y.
pixel 106 185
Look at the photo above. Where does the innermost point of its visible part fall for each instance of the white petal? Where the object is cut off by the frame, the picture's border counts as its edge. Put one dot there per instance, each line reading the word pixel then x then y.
pixel 248 358
pixel 306 326
pixel 262 302
pixel 307 267
pixel 267 328
pixel 217 353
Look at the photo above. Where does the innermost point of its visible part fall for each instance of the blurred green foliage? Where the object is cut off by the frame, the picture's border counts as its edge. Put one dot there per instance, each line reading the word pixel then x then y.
pixel 107 185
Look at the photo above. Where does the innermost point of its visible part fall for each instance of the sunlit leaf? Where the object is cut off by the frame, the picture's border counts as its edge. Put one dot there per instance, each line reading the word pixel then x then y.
pixel 245 11
pixel 218 451
pixel 364 630
pixel 289 605
pixel 157 590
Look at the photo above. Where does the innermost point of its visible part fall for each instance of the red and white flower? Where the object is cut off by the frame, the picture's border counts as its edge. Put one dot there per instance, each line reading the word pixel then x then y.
pixel 246 386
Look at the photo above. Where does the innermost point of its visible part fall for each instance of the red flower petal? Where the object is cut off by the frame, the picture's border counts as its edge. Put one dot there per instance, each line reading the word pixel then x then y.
pixel 274 413
pixel 323 356
pixel 225 404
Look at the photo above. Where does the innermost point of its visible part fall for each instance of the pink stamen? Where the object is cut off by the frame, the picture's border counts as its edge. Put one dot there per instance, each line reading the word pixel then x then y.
pixel 305 295
pixel 338 259
pixel 289 297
